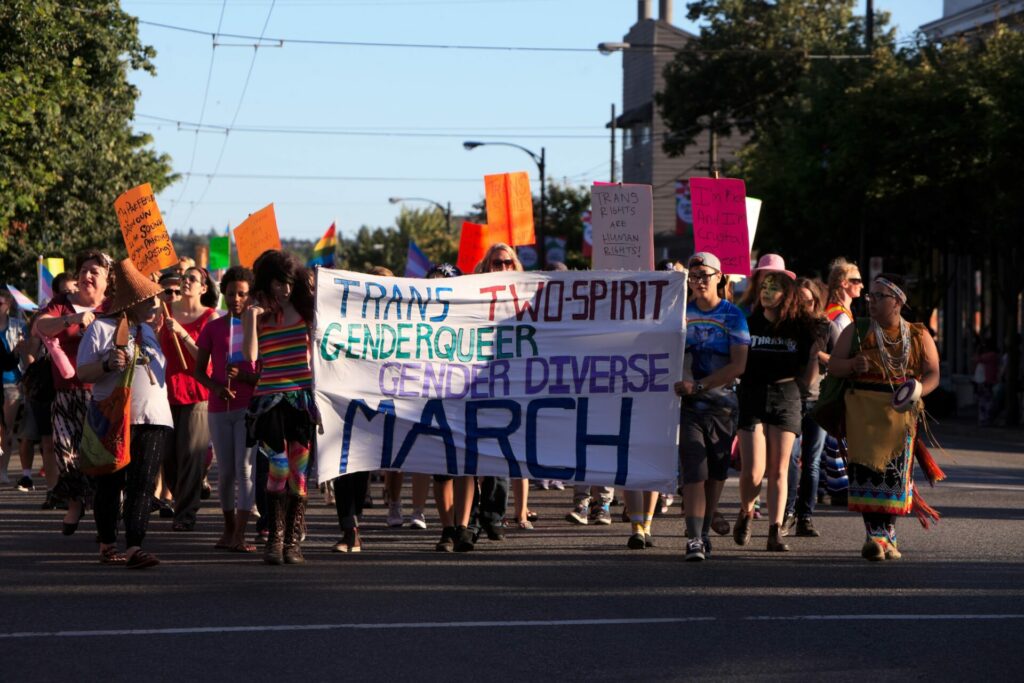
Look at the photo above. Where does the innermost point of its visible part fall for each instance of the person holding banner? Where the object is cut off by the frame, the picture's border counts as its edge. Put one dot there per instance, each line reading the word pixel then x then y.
pixel 62 324
pixel 783 356
pixel 717 342
pixel 230 380
pixel 282 414
pixel 896 366
pixel 183 468
pixel 103 363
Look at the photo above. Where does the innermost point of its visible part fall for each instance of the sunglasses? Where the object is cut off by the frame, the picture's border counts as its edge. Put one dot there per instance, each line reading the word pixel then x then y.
pixel 855 281
pixel 700 277
pixel 193 279
pixel 500 262
pixel 172 292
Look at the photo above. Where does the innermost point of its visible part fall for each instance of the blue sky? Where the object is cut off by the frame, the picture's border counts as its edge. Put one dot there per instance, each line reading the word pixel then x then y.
pixel 558 100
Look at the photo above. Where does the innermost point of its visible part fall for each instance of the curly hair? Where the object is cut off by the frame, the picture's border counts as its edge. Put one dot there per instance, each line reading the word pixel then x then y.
pixel 237 274
pixel 280 266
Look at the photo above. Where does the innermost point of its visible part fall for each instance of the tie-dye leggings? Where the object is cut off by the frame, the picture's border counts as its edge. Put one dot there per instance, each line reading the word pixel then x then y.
pixel 285 434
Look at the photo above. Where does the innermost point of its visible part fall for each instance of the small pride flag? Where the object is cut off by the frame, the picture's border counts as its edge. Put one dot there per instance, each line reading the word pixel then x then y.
pixel 416 262
pixel 323 252
pixel 24 303
pixel 235 341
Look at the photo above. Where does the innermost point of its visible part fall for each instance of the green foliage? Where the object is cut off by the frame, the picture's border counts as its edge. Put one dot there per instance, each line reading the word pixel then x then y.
pixel 66 147
pixel 389 246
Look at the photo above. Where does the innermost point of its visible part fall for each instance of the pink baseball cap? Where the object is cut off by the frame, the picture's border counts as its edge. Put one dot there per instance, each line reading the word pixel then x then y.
pixel 773 263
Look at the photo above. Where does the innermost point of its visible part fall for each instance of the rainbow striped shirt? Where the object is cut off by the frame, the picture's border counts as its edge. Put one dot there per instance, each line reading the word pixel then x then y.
pixel 284 359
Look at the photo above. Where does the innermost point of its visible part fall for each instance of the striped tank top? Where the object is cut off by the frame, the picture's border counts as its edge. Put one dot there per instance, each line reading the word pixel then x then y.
pixel 284 359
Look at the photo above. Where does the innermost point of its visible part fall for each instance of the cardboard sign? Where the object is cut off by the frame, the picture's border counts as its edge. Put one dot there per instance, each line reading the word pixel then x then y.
pixel 220 253
pixel 203 255
pixel 753 214
pixel 622 227
pixel 257 234
pixel 473 243
pixel 720 222
pixel 510 208
pixel 145 235
pixel 531 375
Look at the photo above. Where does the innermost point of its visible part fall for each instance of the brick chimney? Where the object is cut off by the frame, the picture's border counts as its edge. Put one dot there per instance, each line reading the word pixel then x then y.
pixel 665 11
pixel 643 10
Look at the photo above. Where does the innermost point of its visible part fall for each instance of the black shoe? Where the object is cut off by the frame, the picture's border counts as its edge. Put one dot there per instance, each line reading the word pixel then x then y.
pixel 788 522
pixel 707 546
pixel 447 542
pixel 463 540
pixel 493 533
pixel 50 503
pixel 775 545
pixel 648 540
pixel 25 484
pixel 805 527
pixel 637 541
pixel 166 510
pixel 741 529
pixel 206 491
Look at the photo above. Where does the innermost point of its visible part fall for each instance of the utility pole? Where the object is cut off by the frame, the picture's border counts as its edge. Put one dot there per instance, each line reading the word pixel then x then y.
pixel 613 143
pixel 869 27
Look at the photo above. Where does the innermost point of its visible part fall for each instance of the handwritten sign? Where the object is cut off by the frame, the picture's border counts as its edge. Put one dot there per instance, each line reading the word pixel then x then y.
pixel 720 222
pixel 622 227
pixel 257 234
pixel 142 226
pixel 510 208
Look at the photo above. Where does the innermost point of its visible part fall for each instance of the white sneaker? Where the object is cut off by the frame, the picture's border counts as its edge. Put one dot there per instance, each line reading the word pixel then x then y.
pixel 418 520
pixel 395 518
pixel 557 485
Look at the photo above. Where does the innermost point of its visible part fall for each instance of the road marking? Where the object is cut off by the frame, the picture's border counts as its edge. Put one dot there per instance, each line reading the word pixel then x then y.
pixel 495 624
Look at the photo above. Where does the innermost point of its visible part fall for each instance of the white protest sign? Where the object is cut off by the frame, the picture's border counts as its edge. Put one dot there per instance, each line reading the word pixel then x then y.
pixel 622 227
pixel 753 213
pixel 564 375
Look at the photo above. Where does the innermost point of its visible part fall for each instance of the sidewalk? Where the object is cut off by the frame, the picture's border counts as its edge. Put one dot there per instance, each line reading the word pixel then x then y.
pixel 968 428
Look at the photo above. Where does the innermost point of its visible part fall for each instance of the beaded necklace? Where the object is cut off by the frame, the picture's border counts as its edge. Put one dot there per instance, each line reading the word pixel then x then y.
pixel 894 363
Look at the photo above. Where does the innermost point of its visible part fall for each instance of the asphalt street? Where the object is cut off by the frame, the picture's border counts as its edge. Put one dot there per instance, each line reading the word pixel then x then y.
pixel 559 602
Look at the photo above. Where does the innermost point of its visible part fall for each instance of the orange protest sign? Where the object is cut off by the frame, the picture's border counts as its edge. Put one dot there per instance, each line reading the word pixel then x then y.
pixel 473 245
pixel 510 208
pixel 257 234
pixel 145 235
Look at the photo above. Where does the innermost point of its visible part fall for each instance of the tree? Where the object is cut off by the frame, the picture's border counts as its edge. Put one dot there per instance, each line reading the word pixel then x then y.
pixel 66 145
pixel 389 246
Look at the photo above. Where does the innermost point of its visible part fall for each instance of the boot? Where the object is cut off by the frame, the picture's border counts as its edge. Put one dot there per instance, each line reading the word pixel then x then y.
pixel 294 527
pixel 741 530
pixel 276 503
pixel 775 545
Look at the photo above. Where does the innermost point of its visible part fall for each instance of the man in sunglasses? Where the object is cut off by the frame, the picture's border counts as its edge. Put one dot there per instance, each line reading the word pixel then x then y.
pixel 171 282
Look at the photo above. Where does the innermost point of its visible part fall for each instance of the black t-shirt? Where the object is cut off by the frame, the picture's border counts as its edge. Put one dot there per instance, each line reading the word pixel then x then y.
pixel 776 353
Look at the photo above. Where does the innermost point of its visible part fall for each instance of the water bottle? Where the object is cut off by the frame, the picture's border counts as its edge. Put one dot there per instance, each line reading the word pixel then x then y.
pixel 59 359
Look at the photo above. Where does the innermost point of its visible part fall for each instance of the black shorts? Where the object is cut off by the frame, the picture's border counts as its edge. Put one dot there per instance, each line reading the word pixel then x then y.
pixel 705 444
pixel 777 405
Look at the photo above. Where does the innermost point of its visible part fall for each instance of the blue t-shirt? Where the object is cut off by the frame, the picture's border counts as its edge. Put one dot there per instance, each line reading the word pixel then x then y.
pixel 9 377
pixel 709 337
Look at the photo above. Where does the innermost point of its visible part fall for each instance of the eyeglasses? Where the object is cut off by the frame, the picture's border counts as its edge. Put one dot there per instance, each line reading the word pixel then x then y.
pixel 879 297
pixel 700 278
pixel 172 292
pixel 501 262
pixel 855 281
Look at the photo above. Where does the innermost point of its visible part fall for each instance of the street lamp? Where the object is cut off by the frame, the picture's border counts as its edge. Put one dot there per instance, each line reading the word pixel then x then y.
pixel 539 160
pixel 446 210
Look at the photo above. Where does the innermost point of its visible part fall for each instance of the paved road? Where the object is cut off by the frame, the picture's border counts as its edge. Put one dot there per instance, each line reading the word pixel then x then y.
pixel 558 602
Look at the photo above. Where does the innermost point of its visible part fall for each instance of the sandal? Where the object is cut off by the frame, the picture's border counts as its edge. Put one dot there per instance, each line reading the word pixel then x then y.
pixel 141 559
pixel 110 555
pixel 532 516
pixel 241 548
pixel 525 524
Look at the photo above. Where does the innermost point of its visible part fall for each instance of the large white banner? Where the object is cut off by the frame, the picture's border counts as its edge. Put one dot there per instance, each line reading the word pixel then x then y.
pixel 537 375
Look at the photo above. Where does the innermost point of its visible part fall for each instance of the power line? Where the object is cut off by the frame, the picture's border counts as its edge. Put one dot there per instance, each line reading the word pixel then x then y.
pixel 202 109
pixel 238 110
pixel 188 126
pixel 332 178
pixel 377 127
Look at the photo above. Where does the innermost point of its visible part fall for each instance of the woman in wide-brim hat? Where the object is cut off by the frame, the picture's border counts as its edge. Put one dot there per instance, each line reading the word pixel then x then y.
pixel 102 360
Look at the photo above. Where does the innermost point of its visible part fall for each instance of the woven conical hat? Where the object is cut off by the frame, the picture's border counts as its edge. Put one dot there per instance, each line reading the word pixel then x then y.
pixel 131 286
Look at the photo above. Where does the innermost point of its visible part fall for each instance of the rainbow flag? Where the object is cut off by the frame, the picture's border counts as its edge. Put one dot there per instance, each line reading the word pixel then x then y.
pixel 24 303
pixel 235 337
pixel 323 252
pixel 49 268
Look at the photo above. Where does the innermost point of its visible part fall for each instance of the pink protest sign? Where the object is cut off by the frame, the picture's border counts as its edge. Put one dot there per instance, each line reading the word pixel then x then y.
pixel 720 222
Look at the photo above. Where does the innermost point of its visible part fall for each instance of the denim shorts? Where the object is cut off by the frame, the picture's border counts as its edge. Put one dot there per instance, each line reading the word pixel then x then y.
pixel 777 405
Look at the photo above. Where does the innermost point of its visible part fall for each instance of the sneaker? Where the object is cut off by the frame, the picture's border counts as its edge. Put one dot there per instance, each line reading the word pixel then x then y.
pixel 788 522
pixel 579 514
pixel 418 520
pixel 543 484
pixel 719 524
pixel 664 503
pixel 557 485
pixel 694 550
pixel 395 519
pixel 805 527
pixel 601 514
pixel 636 541
pixel 707 546
pixel 25 484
